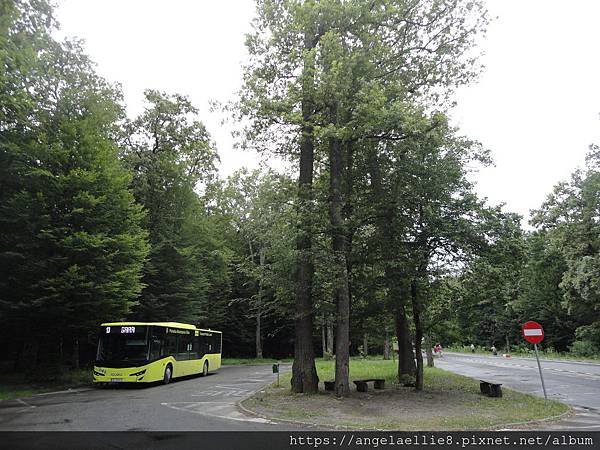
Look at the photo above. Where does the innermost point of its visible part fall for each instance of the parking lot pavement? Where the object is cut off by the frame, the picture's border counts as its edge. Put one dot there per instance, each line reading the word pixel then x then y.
pixel 191 404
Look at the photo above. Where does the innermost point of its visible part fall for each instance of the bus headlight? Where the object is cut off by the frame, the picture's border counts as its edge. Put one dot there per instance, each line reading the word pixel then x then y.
pixel 137 374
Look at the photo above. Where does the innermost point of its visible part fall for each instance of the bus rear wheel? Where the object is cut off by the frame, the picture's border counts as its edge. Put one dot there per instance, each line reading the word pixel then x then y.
pixel 168 374
pixel 205 369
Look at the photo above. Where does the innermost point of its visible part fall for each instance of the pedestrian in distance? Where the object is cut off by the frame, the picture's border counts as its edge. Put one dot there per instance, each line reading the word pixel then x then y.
pixel 472 348
pixel 494 351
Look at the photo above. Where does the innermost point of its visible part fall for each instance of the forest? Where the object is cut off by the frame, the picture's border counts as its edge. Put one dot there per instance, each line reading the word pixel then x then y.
pixel 373 231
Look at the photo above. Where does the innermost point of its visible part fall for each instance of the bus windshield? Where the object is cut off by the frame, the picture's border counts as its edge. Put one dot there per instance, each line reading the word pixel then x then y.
pixel 122 346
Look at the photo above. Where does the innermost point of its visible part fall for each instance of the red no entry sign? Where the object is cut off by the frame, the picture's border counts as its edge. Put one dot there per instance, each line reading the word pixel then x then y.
pixel 532 332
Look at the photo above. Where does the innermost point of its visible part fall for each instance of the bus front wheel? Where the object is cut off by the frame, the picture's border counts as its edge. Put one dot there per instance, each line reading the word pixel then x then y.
pixel 168 374
pixel 205 369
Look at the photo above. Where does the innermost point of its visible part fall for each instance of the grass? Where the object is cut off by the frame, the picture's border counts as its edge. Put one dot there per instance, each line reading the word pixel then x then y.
pixel 17 385
pixel 238 361
pixel 448 402
pixel 526 354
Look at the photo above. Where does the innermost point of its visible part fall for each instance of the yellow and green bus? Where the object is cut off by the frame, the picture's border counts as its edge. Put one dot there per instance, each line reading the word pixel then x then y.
pixel 146 352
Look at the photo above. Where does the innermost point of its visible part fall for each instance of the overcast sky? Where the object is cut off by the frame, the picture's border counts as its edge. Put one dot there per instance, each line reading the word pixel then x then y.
pixel 536 106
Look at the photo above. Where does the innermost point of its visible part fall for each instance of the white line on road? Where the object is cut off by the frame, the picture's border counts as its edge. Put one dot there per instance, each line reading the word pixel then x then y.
pixel 27 405
pixel 67 391
pixel 214 409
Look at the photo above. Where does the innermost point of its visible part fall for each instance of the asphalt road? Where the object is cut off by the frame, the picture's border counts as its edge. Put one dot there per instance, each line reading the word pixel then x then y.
pixel 210 403
pixel 192 404
pixel 574 383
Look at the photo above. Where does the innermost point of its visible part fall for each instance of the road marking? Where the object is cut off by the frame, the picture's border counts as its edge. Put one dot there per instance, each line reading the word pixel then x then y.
pixel 227 393
pixel 221 410
pixel 28 407
pixel 67 391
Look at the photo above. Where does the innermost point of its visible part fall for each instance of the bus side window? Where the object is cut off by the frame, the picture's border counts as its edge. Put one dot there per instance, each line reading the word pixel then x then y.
pixel 201 346
pixel 156 347
pixel 216 343
pixel 183 347
pixel 170 345
pixel 196 353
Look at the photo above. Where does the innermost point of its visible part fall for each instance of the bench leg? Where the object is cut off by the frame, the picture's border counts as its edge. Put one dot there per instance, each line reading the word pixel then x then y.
pixel 362 387
pixel 495 391
pixel 329 385
pixel 485 388
pixel 379 384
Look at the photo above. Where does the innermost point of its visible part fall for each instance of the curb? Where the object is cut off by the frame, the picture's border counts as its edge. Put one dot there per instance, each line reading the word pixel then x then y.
pixel 244 409
pixel 567 413
pixel 297 422
pixel 65 391
pixel 532 358
pixel 41 394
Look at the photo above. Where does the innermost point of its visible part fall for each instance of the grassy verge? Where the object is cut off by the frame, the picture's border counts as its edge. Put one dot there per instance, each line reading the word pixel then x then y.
pixel 528 354
pixel 17 385
pixel 448 402
pixel 238 361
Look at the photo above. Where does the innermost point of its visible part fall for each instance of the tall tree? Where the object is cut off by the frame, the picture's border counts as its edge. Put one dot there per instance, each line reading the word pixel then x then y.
pixel 169 153
pixel 541 297
pixel 278 94
pixel 315 72
pixel 569 216
pixel 71 246
pixel 258 206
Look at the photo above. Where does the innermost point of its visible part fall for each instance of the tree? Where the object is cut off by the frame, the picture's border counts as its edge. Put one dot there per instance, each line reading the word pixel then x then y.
pixel 541 297
pixel 258 205
pixel 491 282
pixel 71 247
pixel 314 75
pixel 278 93
pixel 169 154
pixel 569 217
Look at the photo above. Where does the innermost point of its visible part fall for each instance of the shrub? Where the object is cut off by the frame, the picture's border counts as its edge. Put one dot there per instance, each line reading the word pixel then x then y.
pixel 584 348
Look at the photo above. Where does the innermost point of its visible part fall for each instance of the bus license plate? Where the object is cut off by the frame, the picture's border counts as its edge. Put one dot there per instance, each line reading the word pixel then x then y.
pixel 116 380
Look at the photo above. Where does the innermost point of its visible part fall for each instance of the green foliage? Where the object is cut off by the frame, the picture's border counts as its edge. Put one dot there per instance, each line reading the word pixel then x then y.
pixel 491 284
pixel 258 211
pixel 569 219
pixel 71 247
pixel 584 348
pixel 169 155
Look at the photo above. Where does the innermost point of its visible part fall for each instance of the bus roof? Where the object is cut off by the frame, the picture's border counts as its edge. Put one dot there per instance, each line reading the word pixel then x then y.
pixel 184 326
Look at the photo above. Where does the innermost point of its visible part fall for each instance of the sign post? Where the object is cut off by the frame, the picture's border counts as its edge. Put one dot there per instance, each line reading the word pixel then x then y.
pixel 534 333
pixel 276 370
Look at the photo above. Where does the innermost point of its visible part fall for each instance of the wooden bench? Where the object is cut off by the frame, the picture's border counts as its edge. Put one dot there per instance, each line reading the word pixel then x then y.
pixel 362 385
pixel 490 389
pixel 329 385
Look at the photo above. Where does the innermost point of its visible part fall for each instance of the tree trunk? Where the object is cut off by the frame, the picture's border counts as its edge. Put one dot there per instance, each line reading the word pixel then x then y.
pixel 428 352
pixel 387 346
pixel 406 357
pixel 259 352
pixel 324 337
pixel 394 278
pixel 341 290
pixel 366 344
pixel 304 373
pixel 27 358
pixel 330 334
pixel 75 356
pixel 507 345
pixel 417 317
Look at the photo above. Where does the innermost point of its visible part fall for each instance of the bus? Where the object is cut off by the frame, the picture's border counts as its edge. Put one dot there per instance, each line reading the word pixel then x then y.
pixel 146 352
